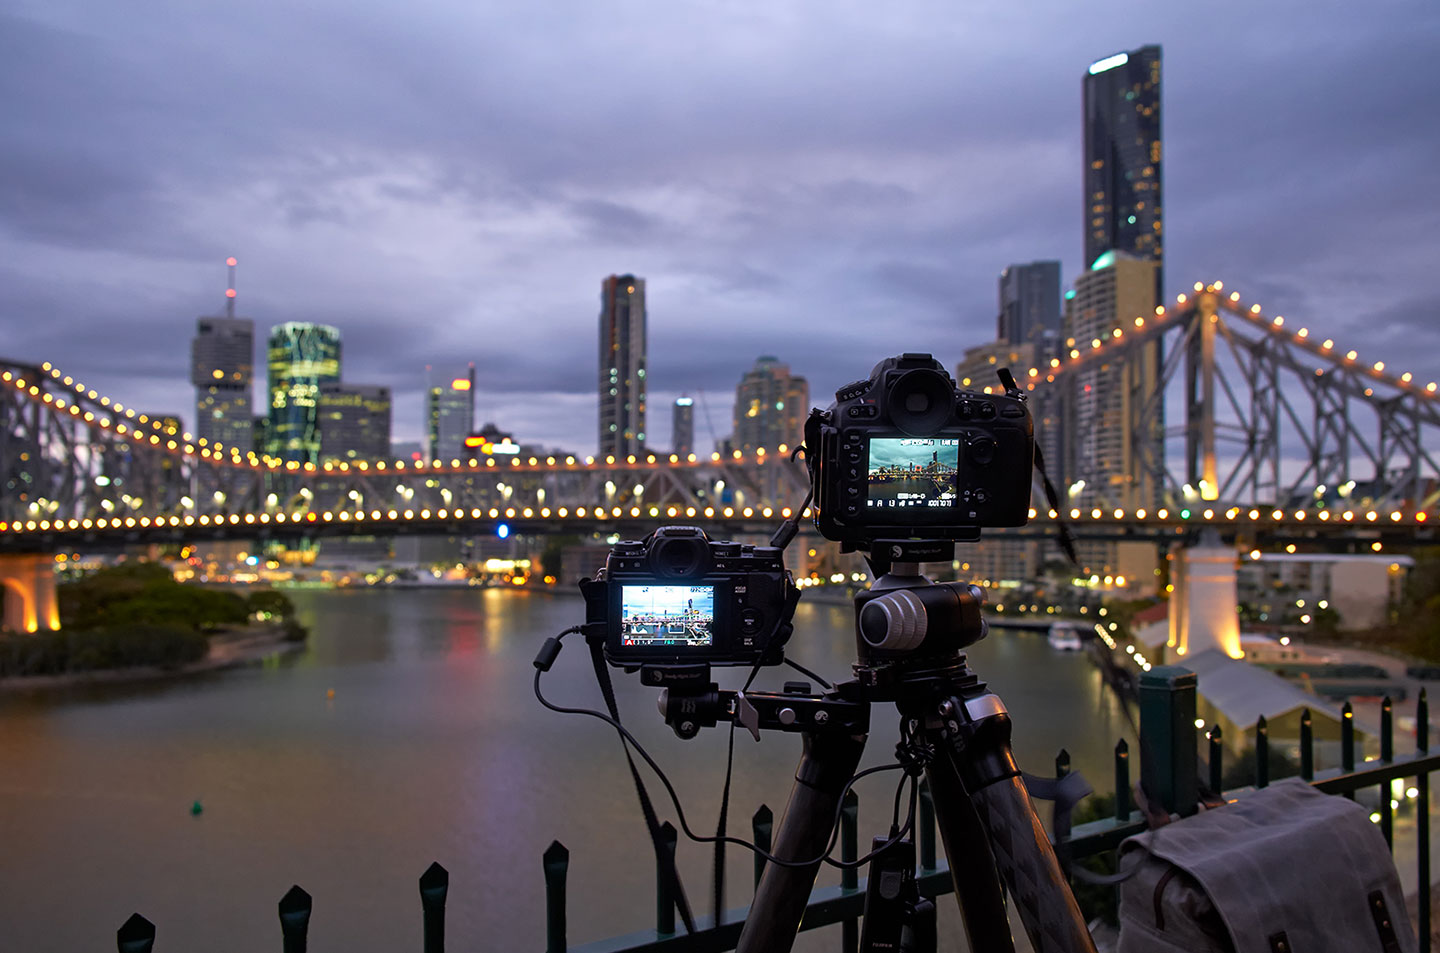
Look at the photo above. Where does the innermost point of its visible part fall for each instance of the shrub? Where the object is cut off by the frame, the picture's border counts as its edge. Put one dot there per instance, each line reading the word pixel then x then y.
pixel 86 650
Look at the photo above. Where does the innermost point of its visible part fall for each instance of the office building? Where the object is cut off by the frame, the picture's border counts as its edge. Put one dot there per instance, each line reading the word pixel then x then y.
pixel 354 422
pixel 1114 426
pixel 770 407
pixel 1030 305
pixel 682 427
pixel 222 363
pixel 302 358
pixel 1123 199
pixel 622 366
pixel 450 416
pixel 998 559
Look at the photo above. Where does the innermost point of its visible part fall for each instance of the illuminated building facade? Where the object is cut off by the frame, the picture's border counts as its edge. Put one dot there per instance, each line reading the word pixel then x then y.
pixel 354 422
pixel 770 407
pixel 622 366
pixel 682 427
pixel 1114 428
pixel 1030 305
pixel 1005 561
pixel 450 416
pixel 1123 200
pixel 222 364
pixel 302 359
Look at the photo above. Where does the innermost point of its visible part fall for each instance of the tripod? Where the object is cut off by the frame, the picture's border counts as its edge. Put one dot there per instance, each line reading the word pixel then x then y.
pixel 910 633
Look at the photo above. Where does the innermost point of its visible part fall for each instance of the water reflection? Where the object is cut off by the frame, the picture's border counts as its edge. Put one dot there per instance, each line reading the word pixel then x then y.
pixel 430 747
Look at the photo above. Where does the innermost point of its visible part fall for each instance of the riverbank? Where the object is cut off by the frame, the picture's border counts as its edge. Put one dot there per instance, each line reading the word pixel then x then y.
pixel 231 647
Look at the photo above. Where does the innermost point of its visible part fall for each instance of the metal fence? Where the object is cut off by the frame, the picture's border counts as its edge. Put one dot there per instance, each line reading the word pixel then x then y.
pixel 1169 766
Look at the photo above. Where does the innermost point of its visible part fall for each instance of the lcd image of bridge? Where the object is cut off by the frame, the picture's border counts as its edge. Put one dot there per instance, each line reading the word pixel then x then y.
pixel 912 472
pixel 667 615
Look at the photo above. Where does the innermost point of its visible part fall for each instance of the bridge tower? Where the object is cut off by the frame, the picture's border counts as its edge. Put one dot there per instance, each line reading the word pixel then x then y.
pixel 1204 612
pixel 28 581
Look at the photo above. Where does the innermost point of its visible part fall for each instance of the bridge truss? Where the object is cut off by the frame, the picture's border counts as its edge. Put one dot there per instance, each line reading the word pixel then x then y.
pixel 1270 416
pixel 68 453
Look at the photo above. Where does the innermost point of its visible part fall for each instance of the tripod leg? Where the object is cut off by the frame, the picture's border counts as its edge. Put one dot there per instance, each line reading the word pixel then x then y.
pixel 1021 848
pixel 972 865
pixel 828 762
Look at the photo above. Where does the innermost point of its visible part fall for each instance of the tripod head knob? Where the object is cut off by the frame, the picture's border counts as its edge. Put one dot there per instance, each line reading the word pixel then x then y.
pixel 924 621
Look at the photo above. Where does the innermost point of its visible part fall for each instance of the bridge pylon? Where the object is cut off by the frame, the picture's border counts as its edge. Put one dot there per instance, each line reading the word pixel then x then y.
pixel 1204 612
pixel 28 581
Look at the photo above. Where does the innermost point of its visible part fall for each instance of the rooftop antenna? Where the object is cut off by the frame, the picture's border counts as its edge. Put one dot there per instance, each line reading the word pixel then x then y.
pixel 230 290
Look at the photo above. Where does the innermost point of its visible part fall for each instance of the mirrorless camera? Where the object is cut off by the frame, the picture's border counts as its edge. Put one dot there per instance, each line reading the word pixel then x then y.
pixel 680 598
pixel 906 455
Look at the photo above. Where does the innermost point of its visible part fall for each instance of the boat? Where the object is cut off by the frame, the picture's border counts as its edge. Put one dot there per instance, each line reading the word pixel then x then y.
pixel 1064 637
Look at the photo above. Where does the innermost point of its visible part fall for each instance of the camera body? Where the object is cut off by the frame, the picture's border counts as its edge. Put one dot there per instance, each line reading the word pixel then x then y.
pixel 680 598
pixel 906 455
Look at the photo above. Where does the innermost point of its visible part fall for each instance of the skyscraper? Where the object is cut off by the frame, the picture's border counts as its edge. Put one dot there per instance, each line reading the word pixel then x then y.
pixel 222 363
pixel 682 427
pixel 1116 435
pixel 1123 199
pixel 1030 305
pixel 302 358
pixel 354 422
pixel 770 407
pixel 622 365
pixel 450 416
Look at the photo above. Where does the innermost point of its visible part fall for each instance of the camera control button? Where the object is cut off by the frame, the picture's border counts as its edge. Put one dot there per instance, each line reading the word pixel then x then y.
pixel 852 491
pixel 1012 410
pixel 786 716
pixel 981 451
pixel 852 509
pixel 751 620
pixel 982 497
pixel 985 411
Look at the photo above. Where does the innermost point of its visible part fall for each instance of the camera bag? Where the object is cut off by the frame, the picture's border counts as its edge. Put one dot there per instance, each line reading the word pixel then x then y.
pixel 1284 869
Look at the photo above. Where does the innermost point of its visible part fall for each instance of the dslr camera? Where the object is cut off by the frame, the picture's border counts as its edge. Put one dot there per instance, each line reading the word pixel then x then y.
pixel 906 456
pixel 680 598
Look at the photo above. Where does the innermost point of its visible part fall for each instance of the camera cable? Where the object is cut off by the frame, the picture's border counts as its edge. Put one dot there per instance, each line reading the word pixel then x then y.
pixel 546 658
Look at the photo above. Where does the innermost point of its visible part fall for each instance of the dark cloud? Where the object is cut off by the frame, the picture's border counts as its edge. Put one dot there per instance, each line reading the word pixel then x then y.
pixel 823 182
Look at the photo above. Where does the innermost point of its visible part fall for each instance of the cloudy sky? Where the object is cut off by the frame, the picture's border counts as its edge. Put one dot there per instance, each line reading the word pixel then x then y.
pixel 822 180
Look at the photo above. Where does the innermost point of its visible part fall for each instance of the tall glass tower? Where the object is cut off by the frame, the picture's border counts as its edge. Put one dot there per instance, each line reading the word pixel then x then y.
pixel 1123 200
pixel 222 359
pixel 450 416
pixel 622 366
pixel 302 359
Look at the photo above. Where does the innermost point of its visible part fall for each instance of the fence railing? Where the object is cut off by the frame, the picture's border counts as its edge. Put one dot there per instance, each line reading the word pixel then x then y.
pixel 1169 769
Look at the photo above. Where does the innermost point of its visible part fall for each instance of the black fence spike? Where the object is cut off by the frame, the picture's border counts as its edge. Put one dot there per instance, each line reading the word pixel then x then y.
pixel 1217 760
pixel 136 935
pixel 434 885
pixel 556 860
pixel 1122 780
pixel 1307 746
pixel 1262 752
pixel 295 908
pixel 762 825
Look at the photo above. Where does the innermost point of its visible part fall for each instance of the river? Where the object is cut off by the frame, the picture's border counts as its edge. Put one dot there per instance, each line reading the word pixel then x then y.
pixel 432 747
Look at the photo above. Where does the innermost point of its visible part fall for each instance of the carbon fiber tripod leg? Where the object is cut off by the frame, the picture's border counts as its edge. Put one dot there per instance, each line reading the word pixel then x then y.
pixel 978 750
pixel 825 768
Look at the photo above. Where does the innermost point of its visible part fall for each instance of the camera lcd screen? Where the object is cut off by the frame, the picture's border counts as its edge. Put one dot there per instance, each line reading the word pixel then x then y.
pixel 656 615
pixel 912 473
